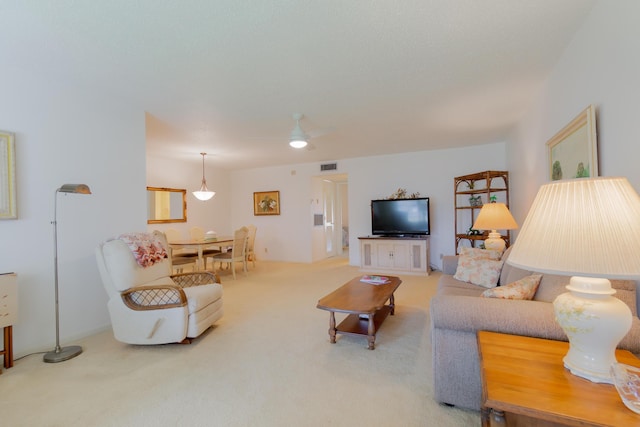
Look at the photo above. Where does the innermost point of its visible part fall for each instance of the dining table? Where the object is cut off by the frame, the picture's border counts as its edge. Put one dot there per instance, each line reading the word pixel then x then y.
pixel 201 244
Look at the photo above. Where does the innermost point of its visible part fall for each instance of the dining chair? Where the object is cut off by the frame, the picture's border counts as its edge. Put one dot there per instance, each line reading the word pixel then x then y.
pixel 197 233
pixel 180 257
pixel 237 252
pixel 251 239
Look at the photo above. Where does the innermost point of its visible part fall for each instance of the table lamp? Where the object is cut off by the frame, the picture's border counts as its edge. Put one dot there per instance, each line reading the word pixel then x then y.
pixel 587 228
pixel 495 216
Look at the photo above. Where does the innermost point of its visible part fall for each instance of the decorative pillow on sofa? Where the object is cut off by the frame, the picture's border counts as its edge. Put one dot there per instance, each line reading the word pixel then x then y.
pixel 477 253
pixel 483 272
pixel 524 288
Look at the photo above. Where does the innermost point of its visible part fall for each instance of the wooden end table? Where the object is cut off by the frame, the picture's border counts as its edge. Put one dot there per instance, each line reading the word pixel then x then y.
pixel 524 383
pixel 365 304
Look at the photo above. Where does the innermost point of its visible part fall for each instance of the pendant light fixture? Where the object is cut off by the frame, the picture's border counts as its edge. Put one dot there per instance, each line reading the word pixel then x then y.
pixel 204 193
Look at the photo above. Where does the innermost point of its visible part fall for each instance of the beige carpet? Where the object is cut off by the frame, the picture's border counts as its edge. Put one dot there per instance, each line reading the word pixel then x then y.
pixel 268 362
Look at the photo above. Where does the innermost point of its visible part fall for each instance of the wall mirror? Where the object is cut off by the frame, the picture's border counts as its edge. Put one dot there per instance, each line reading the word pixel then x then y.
pixel 166 205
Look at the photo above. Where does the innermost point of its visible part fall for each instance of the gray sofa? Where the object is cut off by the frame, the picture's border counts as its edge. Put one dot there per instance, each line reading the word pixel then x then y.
pixel 458 312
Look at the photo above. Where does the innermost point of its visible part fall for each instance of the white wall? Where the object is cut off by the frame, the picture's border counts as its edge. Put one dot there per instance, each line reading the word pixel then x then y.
pixel 430 173
pixel 213 214
pixel 601 66
pixel 291 236
pixel 66 134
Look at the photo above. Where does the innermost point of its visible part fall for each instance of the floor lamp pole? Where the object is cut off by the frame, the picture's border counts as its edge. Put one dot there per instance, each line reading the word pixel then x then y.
pixel 60 354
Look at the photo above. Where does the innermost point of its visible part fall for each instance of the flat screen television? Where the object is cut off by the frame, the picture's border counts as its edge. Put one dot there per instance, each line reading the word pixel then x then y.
pixel 400 217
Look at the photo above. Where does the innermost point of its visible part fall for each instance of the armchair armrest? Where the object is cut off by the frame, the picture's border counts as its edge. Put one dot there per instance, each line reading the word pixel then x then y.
pixel 185 280
pixel 158 297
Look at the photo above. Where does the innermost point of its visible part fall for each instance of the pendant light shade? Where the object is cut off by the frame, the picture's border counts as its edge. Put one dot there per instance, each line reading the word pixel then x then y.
pixel 203 193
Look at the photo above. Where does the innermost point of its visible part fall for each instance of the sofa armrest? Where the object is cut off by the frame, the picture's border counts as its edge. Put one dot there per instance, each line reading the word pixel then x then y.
pixel 185 280
pixel 156 297
pixel 449 264
pixel 518 317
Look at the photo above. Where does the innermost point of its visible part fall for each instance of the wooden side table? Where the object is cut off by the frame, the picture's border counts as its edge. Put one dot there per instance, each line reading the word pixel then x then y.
pixel 524 383
pixel 8 314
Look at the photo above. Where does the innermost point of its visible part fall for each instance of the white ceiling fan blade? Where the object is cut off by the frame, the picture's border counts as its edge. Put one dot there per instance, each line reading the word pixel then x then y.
pixel 317 133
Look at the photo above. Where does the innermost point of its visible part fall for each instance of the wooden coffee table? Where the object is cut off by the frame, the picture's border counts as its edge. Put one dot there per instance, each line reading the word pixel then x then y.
pixel 524 383
pixel 365 304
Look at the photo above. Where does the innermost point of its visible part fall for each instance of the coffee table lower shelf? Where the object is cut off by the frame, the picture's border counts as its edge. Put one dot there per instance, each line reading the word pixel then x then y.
pixel 353 324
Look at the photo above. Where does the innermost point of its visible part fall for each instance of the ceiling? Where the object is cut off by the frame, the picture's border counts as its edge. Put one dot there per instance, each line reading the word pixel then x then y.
pixel 373 76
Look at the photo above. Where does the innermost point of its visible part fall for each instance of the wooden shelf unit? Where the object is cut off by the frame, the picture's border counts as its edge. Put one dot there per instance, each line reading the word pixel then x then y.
pixel 485 184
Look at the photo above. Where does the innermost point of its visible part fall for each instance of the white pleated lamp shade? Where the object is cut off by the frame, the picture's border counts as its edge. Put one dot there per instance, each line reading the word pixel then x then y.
pixel 588 227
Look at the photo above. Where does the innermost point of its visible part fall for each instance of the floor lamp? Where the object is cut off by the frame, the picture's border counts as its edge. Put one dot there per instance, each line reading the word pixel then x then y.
pixel 60 354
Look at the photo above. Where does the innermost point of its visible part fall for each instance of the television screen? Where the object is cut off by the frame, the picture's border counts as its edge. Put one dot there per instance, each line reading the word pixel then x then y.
pixel 398 217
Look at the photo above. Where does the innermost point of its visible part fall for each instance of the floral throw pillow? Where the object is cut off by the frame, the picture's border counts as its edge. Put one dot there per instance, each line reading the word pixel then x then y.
pixel 524 288
pixel 477 253
pixel 482 272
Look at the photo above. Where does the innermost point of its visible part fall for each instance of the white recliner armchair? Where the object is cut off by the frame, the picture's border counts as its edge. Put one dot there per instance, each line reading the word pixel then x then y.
pixel 149 305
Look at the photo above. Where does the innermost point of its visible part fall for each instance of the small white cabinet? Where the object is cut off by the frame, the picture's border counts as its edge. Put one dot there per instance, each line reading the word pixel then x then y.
pixel 408 255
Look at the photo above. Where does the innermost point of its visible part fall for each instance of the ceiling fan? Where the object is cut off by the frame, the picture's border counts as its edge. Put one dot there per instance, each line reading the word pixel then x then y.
pixel 299 138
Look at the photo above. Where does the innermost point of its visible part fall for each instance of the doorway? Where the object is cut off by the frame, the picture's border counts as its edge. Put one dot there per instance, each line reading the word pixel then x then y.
pixel 335 202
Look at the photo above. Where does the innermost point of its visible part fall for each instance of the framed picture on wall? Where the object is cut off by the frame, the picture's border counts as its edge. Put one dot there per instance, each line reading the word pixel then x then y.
pixel 573 151
pixel 266 203
pixel 8 207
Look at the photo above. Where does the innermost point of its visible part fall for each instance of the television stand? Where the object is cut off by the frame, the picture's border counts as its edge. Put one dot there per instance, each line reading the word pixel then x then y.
pixel 408 255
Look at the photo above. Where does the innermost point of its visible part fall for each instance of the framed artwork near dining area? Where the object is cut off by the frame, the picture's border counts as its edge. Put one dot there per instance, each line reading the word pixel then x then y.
pixel 266 203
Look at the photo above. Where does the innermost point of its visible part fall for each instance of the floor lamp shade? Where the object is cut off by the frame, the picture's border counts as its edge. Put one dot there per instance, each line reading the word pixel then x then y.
pixel 60 354
pixel 590 229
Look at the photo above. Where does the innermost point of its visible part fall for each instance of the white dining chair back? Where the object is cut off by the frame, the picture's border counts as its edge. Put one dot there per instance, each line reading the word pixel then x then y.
pixel 196 233
pixel 251 240
pixel 237 252
pixel 181 257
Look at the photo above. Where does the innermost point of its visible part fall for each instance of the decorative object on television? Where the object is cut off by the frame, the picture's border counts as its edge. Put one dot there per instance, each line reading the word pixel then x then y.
pixel 495 216
pixel 401 193
pixel 588 228
pixel 203 193
pixel 60 354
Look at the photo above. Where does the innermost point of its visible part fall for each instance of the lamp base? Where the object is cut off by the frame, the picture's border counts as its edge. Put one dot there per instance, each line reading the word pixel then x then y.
pixel 495 242
pixel 62 354
pixel 594 322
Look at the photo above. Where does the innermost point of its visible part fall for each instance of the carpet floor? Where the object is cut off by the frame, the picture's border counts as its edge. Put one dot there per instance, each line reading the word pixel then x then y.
pixel 267 362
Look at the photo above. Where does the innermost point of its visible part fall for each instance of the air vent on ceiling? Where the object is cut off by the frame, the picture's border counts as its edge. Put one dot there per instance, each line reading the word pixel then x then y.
pixel 329 167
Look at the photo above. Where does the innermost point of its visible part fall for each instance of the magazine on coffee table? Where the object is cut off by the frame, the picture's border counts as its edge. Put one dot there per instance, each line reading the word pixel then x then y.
pixel 375 280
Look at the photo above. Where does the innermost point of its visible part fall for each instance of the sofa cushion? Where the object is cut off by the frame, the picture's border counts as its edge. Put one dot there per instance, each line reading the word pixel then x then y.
pixel 482 272
pixel 477 253
pixel 524 288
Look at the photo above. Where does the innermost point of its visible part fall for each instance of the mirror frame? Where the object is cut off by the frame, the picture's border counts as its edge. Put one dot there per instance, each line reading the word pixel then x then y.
pixel 184 205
